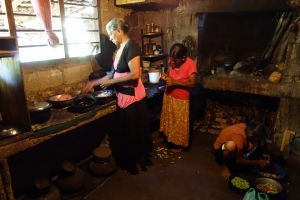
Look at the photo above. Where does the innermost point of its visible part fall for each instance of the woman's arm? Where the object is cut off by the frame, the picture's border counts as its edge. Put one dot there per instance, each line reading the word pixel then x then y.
pixel 134 74
pixel 258 163
pixel 191 82
pixel 88 87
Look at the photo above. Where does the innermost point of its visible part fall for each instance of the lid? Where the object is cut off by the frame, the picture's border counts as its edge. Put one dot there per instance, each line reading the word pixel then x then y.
pixel 39 106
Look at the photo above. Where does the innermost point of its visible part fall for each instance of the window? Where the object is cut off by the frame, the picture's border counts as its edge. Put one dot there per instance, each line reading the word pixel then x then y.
pixel 4 31
pixel 74 22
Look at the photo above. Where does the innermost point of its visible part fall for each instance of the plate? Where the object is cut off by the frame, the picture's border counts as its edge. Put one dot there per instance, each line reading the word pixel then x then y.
pixel 274 172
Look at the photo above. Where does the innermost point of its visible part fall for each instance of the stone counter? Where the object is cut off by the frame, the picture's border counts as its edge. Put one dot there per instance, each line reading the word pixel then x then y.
pixel 55 126
pixel 251 85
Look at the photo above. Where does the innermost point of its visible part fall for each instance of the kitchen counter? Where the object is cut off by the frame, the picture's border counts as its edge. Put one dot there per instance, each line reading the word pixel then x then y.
pixel 61 121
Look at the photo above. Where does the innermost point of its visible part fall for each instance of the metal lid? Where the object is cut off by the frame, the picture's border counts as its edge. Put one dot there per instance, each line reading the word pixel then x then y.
pixel 39 106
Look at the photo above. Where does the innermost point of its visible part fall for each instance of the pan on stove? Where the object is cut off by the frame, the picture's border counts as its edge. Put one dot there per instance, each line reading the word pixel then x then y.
pixel 104 96
pixel 83 103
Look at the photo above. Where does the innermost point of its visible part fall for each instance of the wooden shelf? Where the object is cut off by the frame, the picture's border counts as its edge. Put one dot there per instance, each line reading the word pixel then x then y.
pixel 150 35
pixel 154 56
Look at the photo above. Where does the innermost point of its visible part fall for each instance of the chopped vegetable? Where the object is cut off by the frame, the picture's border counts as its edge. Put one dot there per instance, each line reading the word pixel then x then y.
pixel 240 183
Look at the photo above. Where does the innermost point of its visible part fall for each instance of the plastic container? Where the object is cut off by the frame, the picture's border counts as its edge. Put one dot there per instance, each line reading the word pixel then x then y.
pixel 154 76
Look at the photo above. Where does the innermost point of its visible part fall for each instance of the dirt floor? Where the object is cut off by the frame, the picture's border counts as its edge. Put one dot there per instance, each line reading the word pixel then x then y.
pixel 188 175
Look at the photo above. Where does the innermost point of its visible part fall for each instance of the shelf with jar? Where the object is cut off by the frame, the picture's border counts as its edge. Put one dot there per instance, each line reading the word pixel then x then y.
pixel 152 44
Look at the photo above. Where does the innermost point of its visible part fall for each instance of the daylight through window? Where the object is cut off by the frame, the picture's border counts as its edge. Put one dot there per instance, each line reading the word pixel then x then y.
pixel 78 35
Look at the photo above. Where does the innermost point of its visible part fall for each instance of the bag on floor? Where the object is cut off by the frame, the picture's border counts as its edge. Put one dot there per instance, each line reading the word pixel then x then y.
pixel 252 195
pixel 262 196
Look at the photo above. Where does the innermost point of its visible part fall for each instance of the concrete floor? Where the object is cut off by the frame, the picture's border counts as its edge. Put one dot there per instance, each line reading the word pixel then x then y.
pixel 181 175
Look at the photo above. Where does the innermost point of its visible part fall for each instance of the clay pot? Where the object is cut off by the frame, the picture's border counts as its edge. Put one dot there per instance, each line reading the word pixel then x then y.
pixel 44 190
pixel 102 163
pixel 71 179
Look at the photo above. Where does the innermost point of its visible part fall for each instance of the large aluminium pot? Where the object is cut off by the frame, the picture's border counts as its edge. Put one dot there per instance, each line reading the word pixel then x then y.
pixel 40 112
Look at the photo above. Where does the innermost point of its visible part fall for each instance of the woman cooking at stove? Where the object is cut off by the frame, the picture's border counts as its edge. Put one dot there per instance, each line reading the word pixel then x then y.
pixel 132 142
pixel 175 120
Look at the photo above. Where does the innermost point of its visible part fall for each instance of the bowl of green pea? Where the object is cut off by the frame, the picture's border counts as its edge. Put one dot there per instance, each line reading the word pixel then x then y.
pixel 239 184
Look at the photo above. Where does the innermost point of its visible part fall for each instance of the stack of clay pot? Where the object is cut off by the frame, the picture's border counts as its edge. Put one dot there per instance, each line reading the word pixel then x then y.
pixel 43 190
pixel 102 163
pixel 71 179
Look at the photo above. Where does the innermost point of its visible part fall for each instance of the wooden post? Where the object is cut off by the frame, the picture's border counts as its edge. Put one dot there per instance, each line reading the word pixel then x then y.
pixel 6 179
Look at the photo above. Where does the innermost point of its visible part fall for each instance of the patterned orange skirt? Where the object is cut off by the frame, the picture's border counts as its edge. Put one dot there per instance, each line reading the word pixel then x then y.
pixel 174 120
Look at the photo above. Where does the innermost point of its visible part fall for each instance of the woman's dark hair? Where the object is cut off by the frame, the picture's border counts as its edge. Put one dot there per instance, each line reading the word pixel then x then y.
pixel 178 51
pixel 257 131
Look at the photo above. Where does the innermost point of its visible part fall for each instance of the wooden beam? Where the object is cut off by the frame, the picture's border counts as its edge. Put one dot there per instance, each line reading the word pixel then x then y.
pixel 6 179
pixel 10 18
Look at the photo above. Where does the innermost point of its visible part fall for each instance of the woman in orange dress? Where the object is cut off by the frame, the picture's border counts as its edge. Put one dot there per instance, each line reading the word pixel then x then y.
pixel 181 77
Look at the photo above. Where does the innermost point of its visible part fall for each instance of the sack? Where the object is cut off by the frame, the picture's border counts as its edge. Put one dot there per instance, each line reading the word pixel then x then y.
pixel 251 195
pixel 262 196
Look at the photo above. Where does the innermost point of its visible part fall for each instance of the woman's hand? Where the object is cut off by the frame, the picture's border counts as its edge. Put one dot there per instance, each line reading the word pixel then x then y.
pixel 262 163
pixel 104 84
pixel 169 81
pixel 164 77
pixel 89 86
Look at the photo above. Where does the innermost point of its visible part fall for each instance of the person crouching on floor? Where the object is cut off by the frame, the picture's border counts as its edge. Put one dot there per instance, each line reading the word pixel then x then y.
pixel 235 144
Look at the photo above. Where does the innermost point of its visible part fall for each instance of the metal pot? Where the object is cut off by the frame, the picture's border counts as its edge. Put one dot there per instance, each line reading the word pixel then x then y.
pixel 40 112
pixel 83 103
pixel 61 100
pixel 104 96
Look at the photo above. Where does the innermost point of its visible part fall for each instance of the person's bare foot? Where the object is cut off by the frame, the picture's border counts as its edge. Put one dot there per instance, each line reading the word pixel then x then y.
pixel 225 172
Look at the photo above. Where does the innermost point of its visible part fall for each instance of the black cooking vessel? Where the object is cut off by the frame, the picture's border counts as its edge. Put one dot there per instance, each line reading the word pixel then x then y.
pixel 83 103
pixel 104 96
pixel 40 112
pixel 60 103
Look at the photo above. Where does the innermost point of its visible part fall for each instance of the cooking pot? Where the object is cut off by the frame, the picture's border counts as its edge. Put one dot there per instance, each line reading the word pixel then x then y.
pixel 61 100
pixel 83 103
pixel 104 96
pixel 154 76
pixel 40 112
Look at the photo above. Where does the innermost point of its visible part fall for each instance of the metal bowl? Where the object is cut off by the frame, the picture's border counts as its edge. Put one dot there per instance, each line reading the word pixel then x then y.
pixel 268 186
pixel 8 132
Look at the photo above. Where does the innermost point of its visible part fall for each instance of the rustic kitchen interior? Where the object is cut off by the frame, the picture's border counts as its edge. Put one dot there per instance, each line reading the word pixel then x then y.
pixel 248 60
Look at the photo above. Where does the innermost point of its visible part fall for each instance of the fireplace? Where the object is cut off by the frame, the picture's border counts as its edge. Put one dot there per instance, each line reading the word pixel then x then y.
pixel 234 37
